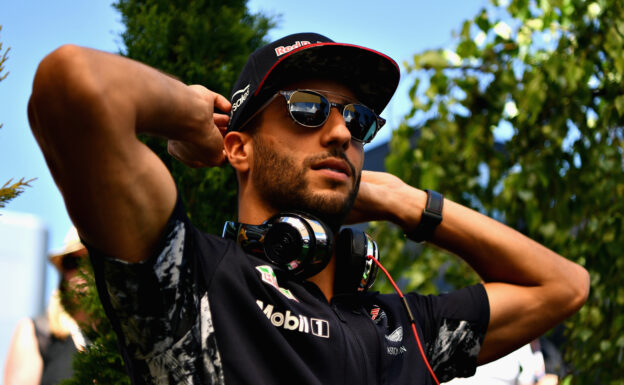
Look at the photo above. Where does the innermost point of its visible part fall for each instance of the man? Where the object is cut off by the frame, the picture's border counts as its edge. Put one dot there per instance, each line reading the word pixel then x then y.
pixel 196 308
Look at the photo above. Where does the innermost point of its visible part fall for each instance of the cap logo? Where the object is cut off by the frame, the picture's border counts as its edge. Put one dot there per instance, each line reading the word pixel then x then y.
pixel 283 49
pixel 242 95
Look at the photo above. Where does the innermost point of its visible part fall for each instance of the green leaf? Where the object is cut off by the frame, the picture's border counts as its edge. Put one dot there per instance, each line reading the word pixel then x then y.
pixel 482 21
pixel 619 104
pixel 431 59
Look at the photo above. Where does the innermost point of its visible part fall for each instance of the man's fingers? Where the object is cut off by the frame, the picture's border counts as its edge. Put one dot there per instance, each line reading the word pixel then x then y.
pixel 222 103
pixel 221 119
pixel 218 101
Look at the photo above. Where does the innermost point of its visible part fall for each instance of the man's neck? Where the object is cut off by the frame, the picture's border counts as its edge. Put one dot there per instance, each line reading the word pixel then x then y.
pixel 325 279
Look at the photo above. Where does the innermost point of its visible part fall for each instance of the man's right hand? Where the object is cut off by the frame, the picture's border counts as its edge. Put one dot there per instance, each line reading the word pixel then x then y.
pixel 206 151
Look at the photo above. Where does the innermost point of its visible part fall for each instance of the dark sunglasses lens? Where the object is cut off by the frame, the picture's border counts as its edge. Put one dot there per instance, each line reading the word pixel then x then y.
pixel 69 263
pixel 308 109
pixel 361 121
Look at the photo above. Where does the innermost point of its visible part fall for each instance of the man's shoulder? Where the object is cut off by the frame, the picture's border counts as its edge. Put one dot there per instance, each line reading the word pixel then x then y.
pixel 180 234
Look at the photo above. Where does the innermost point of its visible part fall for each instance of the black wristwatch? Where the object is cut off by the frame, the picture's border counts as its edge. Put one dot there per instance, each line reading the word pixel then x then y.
pixel 430 219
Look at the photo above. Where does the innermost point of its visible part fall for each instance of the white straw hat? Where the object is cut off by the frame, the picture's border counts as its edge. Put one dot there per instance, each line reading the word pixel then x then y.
pixel 72 245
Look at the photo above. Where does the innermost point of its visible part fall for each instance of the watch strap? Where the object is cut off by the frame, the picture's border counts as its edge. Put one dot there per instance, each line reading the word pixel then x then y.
pixel 430 218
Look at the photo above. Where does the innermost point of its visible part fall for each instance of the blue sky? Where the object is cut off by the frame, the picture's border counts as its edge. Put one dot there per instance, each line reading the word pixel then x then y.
pixel 33 28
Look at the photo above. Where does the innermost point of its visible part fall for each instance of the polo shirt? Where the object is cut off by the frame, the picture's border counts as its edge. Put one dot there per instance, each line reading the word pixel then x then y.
pixel 202 311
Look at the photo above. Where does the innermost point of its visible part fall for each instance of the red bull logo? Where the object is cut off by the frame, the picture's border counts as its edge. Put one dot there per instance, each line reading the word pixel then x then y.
pixel 281 50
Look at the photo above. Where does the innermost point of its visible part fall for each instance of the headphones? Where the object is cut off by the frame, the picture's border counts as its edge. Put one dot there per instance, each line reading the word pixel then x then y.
pixel 303 245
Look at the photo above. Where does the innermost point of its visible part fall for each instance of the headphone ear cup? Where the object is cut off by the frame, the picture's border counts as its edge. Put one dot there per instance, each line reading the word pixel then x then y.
pixel 295 241
pixel 354 271
pixel 281 242
pixel 299 243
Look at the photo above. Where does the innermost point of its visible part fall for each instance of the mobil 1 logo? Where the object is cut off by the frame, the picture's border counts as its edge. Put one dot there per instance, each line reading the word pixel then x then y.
pixel 295 322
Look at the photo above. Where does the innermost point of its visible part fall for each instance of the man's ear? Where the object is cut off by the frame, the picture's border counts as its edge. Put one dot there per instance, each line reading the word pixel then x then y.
pixel 238 150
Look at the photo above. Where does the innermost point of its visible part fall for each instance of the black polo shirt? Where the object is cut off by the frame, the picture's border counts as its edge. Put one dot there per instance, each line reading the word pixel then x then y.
pixel 202 311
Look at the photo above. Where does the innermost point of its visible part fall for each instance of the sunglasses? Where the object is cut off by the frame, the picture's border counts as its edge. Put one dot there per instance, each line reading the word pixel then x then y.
pixel 311 109
pixel 70 263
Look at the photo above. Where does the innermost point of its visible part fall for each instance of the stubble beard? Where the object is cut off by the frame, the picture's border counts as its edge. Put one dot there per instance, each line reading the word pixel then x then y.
pixel 282 184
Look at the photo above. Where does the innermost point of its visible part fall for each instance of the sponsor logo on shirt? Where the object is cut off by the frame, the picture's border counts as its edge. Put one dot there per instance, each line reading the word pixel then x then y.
pixel 268 276
pixel 374 312
pixel 295 322
pixel 395 351
pixel 377 314
pixel 395 337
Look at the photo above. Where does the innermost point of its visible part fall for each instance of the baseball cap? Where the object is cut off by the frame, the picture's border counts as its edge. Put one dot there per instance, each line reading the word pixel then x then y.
pixel 371 75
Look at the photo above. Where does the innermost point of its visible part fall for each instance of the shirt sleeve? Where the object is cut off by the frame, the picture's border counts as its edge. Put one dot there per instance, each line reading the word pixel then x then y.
pixel 454 326
pixel 156 310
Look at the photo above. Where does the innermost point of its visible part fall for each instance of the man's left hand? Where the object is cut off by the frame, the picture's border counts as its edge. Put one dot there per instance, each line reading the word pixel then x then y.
pixel 383 196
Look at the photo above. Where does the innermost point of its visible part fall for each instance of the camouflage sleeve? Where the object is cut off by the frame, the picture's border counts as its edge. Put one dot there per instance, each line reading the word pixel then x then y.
pixel 160 312
pixel 454 326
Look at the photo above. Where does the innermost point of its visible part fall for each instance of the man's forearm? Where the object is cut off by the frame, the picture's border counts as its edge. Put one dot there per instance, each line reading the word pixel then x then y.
pixel 111 87
pixel 496 251
pixel 530 287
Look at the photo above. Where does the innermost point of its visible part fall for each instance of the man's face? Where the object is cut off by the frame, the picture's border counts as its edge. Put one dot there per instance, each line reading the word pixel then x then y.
pixel 73 284
pixel 316 170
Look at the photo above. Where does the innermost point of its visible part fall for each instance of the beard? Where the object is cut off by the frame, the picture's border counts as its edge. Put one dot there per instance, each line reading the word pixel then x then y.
pixel 284 187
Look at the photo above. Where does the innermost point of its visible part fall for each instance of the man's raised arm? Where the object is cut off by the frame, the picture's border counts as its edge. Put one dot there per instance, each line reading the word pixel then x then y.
pixel 530 288
pixel 85 111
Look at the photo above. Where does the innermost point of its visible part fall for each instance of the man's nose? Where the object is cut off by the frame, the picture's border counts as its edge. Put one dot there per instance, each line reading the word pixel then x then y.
pixel 335 131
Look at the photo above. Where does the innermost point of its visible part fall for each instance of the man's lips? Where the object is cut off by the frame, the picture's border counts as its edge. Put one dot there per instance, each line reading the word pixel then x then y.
pixel 333 164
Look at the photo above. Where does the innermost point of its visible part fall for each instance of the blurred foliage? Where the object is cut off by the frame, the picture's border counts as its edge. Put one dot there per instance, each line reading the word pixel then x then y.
pixel 199 42
pixel 99 363
pixel 522 121
pixel 11 190
pixel 4 56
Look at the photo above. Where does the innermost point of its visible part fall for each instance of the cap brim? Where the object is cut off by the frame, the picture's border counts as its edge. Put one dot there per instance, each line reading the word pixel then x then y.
pixel 371 75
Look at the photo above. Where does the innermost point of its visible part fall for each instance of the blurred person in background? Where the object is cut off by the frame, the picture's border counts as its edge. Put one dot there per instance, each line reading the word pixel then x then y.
pixel 42 348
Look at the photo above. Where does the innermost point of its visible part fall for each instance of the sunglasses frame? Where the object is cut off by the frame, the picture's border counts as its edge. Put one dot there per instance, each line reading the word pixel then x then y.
pixel 341 107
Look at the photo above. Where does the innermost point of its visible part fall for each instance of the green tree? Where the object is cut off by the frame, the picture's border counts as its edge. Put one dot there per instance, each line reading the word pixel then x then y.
pixel 549 74
pixel 199 42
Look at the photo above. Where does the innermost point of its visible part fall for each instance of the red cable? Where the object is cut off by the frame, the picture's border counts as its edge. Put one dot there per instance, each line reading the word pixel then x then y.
pixel 411 317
